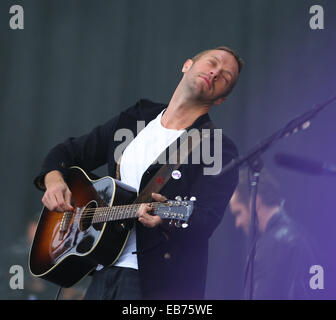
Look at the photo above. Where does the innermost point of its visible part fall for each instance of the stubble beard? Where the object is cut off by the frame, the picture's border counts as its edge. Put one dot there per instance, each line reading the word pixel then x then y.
pixel 195 91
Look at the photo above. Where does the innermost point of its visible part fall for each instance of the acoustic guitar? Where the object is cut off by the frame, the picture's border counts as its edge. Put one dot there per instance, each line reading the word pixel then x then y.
pixel 67 246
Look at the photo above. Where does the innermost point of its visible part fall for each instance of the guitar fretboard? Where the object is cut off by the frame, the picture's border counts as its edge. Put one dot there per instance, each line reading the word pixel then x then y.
pixel 105 214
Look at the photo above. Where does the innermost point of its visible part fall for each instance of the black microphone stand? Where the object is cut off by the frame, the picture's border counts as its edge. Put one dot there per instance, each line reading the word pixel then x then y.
pixel 254 162
pixel 255 166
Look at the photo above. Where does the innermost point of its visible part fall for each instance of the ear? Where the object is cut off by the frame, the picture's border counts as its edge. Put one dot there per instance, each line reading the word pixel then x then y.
pixel 187 65
pixel 219 101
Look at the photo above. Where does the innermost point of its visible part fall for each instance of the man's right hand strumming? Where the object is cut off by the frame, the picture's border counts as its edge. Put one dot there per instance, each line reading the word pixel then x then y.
pixel 58 195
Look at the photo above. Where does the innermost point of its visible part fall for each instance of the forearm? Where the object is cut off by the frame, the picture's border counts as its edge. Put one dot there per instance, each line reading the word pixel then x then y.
pixel 52 177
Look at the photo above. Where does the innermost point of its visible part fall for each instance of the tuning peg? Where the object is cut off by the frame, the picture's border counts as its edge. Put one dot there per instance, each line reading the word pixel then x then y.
pixel 185 198
pixel 193 199
pixel 178 198
pixel 170 223
pixel 178 224
pixel 185 225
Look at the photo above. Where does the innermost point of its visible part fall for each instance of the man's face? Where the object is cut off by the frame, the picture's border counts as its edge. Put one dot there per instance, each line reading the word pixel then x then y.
pixel 241 213
pixel 211 75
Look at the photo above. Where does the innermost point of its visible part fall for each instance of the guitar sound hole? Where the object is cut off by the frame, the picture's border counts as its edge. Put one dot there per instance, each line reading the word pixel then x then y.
pixel 87 215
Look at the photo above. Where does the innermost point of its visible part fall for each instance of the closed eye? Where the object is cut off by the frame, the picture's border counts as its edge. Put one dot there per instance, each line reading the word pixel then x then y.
pixel 223 76
pixel 212 62
pixel 227 75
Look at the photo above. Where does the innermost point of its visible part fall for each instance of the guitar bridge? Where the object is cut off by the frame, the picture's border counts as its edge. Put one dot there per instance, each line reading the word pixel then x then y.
pixel 64 224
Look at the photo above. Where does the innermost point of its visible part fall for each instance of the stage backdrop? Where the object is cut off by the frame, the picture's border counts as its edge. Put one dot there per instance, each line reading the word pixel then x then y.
pixel 77 63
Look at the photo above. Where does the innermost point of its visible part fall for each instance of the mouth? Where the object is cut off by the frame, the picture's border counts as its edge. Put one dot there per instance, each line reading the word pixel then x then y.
pixel 206 79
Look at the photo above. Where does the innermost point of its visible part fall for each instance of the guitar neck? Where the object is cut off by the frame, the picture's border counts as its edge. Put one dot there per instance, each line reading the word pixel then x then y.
pixel 106 214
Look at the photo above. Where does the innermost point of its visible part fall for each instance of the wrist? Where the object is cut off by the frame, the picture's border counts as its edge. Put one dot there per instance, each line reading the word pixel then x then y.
pixel 53 177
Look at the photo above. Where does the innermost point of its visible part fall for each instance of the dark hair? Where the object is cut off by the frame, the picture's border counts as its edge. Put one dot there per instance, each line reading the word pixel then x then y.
pixel 239 61
pixel 268 188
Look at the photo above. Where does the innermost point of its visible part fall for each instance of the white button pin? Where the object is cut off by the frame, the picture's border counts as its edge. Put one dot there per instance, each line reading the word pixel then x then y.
pixel 176 174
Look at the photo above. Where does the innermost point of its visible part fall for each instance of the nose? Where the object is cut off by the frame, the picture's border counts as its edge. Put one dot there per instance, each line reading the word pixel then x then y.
pixel 214 75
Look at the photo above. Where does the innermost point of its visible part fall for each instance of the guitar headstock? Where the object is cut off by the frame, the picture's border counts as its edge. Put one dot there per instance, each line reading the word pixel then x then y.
pixel 177 210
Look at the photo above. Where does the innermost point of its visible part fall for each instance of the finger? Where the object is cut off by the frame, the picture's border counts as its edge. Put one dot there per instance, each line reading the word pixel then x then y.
pixel 145 213
pixel 159 197
pixel 149 209
pixel 49 201
pixel 150 221
pixel 68 195
pixel 142 220
pixel 61 205
pixel 141 210
pixel 144 209
pixel 156 220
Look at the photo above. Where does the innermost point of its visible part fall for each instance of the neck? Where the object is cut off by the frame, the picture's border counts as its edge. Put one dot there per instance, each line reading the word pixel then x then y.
pixel 115 213
pixel 264 215
pixel 182 111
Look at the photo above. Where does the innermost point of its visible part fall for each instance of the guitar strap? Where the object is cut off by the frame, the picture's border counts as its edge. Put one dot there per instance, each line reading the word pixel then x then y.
pixel 176 158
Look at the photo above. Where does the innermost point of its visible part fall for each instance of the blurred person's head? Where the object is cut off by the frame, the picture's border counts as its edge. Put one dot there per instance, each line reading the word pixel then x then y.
pixel 268 200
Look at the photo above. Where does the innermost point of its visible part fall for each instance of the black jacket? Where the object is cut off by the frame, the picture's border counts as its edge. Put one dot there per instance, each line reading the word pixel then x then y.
pixel 283 258
pixel 172 262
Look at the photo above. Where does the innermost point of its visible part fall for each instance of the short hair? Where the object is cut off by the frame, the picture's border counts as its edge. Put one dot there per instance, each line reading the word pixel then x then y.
pixel 239 61
pixel 268 188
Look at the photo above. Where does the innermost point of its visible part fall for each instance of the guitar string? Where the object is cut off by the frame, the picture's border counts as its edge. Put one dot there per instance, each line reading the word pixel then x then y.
pixel 113 208
pixel 104 211
pixel 109 210
pixel 78 216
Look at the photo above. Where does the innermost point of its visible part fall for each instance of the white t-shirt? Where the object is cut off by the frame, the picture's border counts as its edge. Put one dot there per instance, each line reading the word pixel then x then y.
pixel 137 157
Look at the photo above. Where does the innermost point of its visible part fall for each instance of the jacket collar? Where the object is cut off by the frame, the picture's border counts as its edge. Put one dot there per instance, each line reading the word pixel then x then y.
pixel 199 122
